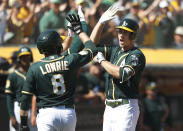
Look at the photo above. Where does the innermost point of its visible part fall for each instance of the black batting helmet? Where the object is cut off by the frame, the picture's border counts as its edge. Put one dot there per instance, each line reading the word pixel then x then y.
pixel 129 25
pixel 48 42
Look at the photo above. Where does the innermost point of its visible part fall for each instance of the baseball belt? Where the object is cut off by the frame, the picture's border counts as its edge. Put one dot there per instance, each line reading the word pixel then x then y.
pixel 114 104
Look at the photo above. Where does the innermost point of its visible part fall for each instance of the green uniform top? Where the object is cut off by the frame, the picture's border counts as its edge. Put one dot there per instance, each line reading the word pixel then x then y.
pixel 52 79
pixel 51 21
pixel 123 87
pixel 13 89
pixel 153 112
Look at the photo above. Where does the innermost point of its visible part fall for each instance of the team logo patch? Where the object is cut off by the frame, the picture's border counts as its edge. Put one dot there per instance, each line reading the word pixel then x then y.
pixel 84 52
pixel 134 60
pixel 124 24
pixel 25 50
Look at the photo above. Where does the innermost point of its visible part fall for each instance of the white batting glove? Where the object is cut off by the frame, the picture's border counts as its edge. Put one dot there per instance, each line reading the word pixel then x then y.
pixel 99 57
pixel 70 32
pixel 81 14
pixel 109 14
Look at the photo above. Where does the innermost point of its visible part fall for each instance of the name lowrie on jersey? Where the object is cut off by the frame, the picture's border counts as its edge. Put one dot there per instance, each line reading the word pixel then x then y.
pixel 54 66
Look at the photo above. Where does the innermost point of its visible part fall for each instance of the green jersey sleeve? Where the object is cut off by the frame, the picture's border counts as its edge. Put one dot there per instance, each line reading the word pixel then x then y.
pixel 83 57
pixel 134 64
pixel 28 90
pixel 9 84
pixel 10 105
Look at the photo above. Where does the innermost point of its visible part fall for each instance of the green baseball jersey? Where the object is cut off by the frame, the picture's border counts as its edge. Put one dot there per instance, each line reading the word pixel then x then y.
pixel 123 87
pixel 52 79
pixel 14 84
pixel 154 111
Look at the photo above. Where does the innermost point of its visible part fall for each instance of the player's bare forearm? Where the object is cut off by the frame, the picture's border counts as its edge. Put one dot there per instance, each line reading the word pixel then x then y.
pixel 23 112
pixel 96 33
pixel 67 43
pixel 33 106
pixel 111 69
pixel 84 37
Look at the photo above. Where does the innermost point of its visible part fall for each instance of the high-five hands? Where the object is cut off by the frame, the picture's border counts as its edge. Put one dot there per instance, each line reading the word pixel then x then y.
pixel 81 14
pixel 76 26
pixel 109 14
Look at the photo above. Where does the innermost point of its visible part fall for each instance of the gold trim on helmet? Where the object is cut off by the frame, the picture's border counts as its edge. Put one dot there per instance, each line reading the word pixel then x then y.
pixel 62 37
pixel 24 53
pixel 124 28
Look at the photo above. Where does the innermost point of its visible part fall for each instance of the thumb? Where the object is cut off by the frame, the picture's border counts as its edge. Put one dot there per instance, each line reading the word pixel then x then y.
pixel 81 14
pixel 69 24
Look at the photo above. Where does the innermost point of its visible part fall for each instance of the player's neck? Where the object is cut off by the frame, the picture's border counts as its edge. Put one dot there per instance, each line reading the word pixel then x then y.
pixel 128 47
pixel 24 68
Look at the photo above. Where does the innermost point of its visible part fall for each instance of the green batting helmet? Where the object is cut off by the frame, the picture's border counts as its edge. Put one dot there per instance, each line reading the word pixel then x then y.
pixel 49 42
pixel 24 51
pixel 129 25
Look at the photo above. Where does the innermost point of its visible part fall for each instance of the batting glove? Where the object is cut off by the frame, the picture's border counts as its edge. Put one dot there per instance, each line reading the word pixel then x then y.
pixel 76 26
pixel 108 14
pixel 70 32
pixel 99 57
pixel 24 128
pixel 23 125
pixel 81 14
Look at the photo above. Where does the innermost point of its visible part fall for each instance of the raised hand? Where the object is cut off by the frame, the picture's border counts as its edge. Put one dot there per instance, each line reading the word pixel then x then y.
pixel 109 14
pixel 76 26
pixel 81 14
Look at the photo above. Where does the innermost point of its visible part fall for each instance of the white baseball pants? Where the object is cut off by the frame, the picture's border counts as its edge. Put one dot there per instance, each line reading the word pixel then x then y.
pixel 56 119
pixel 121 118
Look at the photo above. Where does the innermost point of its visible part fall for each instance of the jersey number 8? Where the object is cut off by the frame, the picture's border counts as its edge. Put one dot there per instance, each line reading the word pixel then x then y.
pixel 58 84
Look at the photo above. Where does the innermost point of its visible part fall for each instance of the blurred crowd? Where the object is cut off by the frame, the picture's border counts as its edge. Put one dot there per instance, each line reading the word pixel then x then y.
pixel 161 21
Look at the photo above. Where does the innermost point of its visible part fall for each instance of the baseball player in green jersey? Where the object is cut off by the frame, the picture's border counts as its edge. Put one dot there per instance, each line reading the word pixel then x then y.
pixel 124 65
pixel 14 86
pixel 51 80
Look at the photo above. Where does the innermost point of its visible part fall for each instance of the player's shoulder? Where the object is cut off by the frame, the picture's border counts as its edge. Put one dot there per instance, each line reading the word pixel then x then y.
pixel 11 75
pixel 137 51
pixel 34 65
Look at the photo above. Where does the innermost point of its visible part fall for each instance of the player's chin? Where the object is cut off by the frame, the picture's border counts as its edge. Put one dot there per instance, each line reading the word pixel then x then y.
pixel 121 44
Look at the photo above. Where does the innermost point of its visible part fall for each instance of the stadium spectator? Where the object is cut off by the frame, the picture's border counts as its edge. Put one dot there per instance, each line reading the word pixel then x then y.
pixel 177 6
pixel 146 31
pixel 134 10
pixel 155 110
pixel 54 18
pixel 3 20
pixel 163 25
pixel 96 83
pixel 22 21
pixel 178 37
